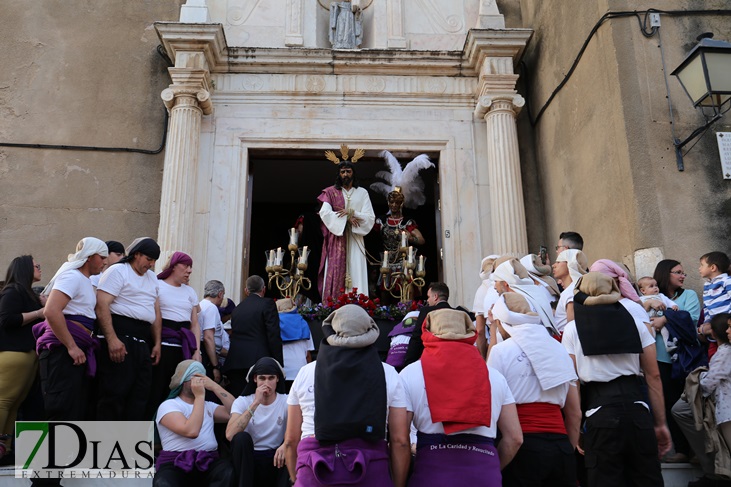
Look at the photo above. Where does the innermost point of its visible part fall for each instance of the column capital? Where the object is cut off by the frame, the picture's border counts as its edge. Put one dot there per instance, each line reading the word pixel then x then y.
pixel 486 104
pixel 178 95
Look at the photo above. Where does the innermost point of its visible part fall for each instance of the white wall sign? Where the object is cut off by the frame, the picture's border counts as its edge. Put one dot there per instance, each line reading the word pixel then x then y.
pixel 724 149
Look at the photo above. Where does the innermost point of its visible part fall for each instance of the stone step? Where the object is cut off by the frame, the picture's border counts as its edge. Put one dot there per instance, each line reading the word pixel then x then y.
pixel 675 475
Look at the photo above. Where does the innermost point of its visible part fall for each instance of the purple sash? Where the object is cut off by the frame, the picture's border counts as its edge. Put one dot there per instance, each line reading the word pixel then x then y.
pixel 350 462
pixel 80 332
pixel 187 460
pixel 183 337
pixel 457 460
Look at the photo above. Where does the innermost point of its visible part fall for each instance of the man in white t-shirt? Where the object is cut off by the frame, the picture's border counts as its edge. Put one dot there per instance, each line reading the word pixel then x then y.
pixel 457 406
pixel 542 378
pixel 64 341
pixel 612 347
pixel 256 428
pixel 189 455
pixel 212 332
pixel 128 314
pixel 339 406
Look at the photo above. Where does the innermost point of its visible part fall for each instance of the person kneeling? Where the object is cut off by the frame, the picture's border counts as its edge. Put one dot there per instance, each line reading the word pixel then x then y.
pixel 189 453
pixel 256 442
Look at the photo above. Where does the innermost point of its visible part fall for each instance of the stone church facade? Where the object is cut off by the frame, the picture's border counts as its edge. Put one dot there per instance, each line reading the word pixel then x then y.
pixel 247 78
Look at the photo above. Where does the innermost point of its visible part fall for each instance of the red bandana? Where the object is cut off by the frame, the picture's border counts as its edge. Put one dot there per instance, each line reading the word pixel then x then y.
pixel 457 383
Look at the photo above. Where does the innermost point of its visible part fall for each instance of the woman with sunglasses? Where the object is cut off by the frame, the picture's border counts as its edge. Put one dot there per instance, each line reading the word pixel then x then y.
pixel 20 309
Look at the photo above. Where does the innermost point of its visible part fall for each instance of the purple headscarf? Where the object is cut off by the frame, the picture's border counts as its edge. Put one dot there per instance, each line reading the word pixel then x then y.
pixel 613 270
pixel 175 259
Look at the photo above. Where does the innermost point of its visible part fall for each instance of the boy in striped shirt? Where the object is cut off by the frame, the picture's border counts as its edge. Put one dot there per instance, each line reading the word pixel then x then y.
pixel 716 292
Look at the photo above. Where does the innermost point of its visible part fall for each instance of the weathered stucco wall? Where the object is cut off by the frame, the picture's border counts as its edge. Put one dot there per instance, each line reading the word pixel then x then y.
pixel 79 73
pixel 605 159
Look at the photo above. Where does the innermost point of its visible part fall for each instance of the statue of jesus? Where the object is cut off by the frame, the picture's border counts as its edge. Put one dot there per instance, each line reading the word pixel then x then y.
pixel 347 216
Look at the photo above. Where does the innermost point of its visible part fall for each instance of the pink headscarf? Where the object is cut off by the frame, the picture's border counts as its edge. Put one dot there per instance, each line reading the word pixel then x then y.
pixel 611 269
pixel 175 259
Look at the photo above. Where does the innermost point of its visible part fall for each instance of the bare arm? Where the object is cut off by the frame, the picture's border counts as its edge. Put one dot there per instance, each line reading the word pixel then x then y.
pixel 292 439
pixel 416 237
pixel 399 445
pixel 512 434
pixel 209 342
pixel 509 426
pixel 570 312
pixel 156 334
pixel 196 329
pixel 117 350
pixel 572 414
pixel 480 325
pixel 57 302
pixel 648 362
pixel 189 427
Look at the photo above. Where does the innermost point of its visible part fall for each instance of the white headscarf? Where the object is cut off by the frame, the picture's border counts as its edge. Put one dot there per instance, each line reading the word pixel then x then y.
pixel 548 358
pixel 485 272
pixel 510 272
pixel 86 247
pixel 576 261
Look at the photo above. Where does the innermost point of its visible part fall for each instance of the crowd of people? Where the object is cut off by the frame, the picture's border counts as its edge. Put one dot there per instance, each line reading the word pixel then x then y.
pixel 560 375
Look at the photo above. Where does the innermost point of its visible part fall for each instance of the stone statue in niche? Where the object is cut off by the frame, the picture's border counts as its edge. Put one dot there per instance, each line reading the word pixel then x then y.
pixel 346 25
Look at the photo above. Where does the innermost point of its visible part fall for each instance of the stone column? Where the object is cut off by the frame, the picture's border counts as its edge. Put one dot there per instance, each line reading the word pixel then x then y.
pixel 187 100
pixel 507 210
pixel 498 103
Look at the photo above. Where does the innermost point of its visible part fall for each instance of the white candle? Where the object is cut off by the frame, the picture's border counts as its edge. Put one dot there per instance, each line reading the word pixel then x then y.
pixel 411 255
pixel 280 256
pixel 385 259
pixel 292 236
pixel 270 262
pixel 403 239
pixel 421 263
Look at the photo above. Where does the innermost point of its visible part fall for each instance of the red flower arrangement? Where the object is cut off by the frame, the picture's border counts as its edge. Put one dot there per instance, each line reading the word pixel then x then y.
pixel 394 312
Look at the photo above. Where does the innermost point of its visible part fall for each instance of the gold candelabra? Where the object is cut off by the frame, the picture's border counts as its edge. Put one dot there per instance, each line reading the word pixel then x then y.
pixel 288 281
pixel 400 283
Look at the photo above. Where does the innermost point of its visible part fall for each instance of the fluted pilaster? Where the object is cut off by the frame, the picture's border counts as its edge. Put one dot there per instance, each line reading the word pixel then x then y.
pixel 507 209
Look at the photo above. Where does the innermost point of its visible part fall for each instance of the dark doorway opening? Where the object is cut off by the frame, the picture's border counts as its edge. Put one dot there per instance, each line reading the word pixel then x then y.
pixel 285 186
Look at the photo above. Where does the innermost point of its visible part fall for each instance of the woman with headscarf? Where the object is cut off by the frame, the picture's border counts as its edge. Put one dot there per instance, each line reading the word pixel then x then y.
pixel 65 342
pixel 180 334
pixel 20 309
pixel 189 455
pixel 128 315
pixel 570 265
pixel 256 443
pixel 338 409
pixel 457 407
pixel 541 377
